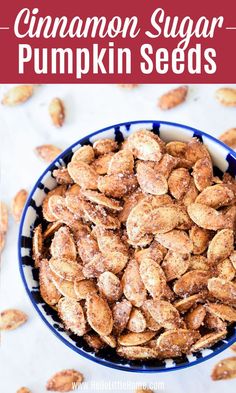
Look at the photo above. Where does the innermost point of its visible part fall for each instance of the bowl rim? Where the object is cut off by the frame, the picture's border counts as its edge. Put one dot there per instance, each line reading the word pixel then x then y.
pixel 81 352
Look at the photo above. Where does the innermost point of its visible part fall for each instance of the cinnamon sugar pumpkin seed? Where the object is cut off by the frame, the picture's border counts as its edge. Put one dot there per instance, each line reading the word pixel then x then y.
pixel 145 145
pixel 116 262
pixel 83 174
pixel 105 146
pixel 202 173
pixel 229 138
pixel 83 288
pixel 48 290
pixel 74 189
pixel 110 242
pixel 136 220
pixel 163 219
pixel 64 381
pixel 63 245
pixel 17 95
pixel 121 162
pixel 62 176
pixel 176 149
pixel 133 287
pixel 137 352
pixel 185 222
pixel 191 282
pixel 208 340
pixel 164 313
pixel 222 311
pixel 151 323
pixel 184 163
pixel 175 265
pixel 109 340
pixel 167 353
pixel 206 217
pixel 99 216
pixel 226 96
pixel 137 321
pixel 131 339
pixel 56 111
pixel 191 194
pixel 216 196
pixel 199 262
pixel 100 199
pixel 58 209
pixel 11 319
pixel 144 241
pixel 177 340
pixel 47 153
pixel 72 315
pixel 186 303
pixel 18 204
pixel 99 315
pixel 51 229
pixel 121 313
pixel 47 214
pixel 65 287
pixel 225 270
pixel 118 185
pixel 66 268
pixel 176 240
pixel 150 181
pixel 173 98
pixel 195 318
pixel 152 276
pixel 222 290
pixel 213 322
pixel 101 163
pixel 195 151
pixel 87 247
pixel 109 285
pixel 224 369
pixel 73 204
pixel 200 238
pixel 221 246
pixel 84 153
pixel 178 182
pixel 37 245
pixel 153 252
pixel 145 219
pixel 166 165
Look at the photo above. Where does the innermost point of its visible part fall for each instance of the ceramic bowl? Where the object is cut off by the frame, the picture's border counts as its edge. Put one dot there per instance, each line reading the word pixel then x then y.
pixel 224 160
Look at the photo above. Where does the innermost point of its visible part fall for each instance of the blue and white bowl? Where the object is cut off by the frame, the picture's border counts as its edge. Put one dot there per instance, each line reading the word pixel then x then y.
pixel 224 160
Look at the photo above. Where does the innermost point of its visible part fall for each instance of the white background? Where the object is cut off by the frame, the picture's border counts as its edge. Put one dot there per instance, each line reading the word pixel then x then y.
pixel 31 354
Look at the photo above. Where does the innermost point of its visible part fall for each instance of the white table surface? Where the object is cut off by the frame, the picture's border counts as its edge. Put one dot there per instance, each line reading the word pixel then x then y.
pixel 31 354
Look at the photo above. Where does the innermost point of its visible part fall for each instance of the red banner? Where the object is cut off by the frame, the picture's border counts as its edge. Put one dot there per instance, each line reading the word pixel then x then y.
pixel 142 41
